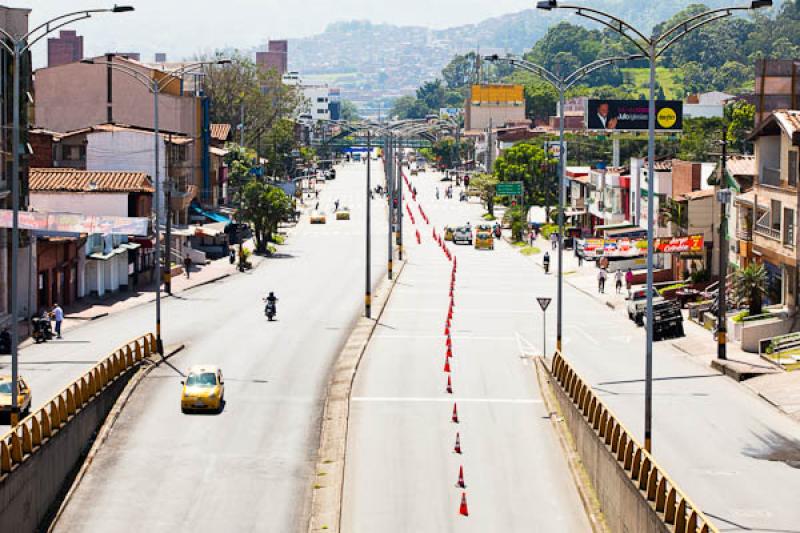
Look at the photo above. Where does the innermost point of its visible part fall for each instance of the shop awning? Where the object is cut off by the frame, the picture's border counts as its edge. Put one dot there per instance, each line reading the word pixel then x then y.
pixel 109 255
pixel 216 217
pixel 130 245
pixel 612 227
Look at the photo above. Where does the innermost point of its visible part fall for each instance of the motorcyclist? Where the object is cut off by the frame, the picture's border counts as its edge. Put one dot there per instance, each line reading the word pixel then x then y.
pixel 272 300
pixel 497 230
pixel 546 262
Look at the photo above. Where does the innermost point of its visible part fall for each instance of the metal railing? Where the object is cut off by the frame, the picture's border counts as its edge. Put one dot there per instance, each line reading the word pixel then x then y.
pixel 37 428
pixel 744 234
pixel 767 231
pixel 671 504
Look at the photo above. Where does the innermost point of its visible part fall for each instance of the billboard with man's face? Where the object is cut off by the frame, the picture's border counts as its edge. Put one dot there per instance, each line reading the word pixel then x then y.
pixel 632 115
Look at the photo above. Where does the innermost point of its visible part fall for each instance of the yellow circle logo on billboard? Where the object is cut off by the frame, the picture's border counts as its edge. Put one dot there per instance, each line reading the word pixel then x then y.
pixel 667 118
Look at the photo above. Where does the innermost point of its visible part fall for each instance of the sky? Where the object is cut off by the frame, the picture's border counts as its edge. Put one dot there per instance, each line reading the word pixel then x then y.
pixel 183 28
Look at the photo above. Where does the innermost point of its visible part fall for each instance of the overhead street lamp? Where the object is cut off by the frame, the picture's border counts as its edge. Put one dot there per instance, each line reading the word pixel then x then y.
pixel 652 47
pixel 156 86
pixel 17 47
pixel 562 84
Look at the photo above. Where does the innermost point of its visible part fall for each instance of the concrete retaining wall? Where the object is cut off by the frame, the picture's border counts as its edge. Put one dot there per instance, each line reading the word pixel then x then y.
pixel 625 509
pixel 31 491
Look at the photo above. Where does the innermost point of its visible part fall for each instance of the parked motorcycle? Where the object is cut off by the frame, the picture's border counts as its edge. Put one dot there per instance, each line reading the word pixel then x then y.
pixel 41 330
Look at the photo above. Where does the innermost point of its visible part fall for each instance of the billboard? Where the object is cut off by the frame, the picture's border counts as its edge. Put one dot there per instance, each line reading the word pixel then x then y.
pixel 632 115
pixel 451 112
pixel 498 94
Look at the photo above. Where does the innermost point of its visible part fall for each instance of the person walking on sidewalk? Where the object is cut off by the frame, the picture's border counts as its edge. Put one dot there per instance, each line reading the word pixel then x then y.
pixel 629 280
pixel 601 281
pixel 553 240
pixel 618 281
pixel 58 316
pixel 187 265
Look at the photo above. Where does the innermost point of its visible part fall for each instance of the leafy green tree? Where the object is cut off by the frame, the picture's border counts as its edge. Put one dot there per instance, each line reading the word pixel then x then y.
pixel 350 111
pixel 529 164
pixel 697 141
pixel 741 120
pixel 432 94
pixel 750 284
pixel 264 206
pixel 460 72
pixel 485 184
pixel 409 107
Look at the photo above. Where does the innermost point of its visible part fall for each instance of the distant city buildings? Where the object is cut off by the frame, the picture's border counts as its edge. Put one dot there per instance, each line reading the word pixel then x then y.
pixel 275 58
pixel 161 57
pixel 66 48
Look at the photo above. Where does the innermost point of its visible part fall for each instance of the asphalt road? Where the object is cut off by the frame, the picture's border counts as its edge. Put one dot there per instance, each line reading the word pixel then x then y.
pixel 401 468
pixel 735 455
pixel 249 468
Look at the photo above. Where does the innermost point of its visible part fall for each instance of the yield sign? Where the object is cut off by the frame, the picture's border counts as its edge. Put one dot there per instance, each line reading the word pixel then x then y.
pixel 544 303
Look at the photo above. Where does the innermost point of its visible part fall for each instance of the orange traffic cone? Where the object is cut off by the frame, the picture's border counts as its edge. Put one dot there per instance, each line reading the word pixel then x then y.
pixel 449 386
pixel 447 364
pixel 450 313
pixel 463 509
pixel 457 447
pixel 455 414
pixel 449 353
pixel 447 329
pixel 460 483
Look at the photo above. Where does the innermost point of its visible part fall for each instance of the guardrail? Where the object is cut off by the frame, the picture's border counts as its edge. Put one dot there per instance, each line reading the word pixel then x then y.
pixel 671 504
pixel 37 428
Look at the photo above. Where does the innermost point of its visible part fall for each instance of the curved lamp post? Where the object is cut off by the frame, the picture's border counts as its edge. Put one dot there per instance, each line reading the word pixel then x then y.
pixel 156 86
pixel 17 47
pixel 653 47
pixel 561 84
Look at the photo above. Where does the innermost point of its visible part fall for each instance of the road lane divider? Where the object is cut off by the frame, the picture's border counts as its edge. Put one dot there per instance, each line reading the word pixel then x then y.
pixel 639 496
pixel 38 456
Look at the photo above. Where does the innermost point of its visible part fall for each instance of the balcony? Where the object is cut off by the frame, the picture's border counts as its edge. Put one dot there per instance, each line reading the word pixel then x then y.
pixel 769 232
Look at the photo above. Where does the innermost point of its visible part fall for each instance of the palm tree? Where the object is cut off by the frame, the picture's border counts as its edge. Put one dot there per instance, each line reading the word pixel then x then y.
pixel 750 283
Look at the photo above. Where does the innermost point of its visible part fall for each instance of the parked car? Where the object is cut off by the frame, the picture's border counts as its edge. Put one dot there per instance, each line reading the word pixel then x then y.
pixel 462 235
pixel 23 395
pixel 667 320
pixel 637 304
pixel 203 389
pixel 448 233
pixel 343 214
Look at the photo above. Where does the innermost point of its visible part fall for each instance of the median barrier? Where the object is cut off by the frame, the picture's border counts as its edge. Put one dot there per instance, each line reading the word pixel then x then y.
pixel 39 456
pixel 635 493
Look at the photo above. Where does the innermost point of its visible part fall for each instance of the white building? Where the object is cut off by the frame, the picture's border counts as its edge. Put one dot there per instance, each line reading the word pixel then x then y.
pixel 317 98
pixel 707 105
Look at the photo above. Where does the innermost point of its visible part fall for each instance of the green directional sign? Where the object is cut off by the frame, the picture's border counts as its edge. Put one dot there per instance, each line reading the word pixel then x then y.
pixel 512 188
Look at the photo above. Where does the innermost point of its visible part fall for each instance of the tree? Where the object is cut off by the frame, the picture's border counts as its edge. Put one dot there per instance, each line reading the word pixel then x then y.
pixel 432 94
pixel 750 284
pixel 741 121
pixel 529 164
pixel 485 185
pixel 697 141
pixel 409 107
pixel 264 206
pixel 350 111
pixel 460 72
pixel 267 101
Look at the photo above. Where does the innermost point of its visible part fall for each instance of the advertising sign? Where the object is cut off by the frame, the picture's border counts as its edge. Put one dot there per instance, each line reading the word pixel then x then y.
pixel 76 223
pixel 451 112
pixel 553 149
pixel 632 115
pixel 679 245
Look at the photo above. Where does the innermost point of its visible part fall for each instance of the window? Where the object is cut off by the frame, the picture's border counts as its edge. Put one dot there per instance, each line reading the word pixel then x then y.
pixel 74 153
pixel 775 221
pixel 788 227
pixel 792 168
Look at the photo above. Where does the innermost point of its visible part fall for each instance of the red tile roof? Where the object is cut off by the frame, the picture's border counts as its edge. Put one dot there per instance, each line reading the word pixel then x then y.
pixel 742 165
pixel 71 180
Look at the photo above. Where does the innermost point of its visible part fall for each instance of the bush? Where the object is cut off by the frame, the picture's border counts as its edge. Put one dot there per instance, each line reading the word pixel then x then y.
pixel 530 250
pixel 489 217
pixel 673 287
pixel 549 229
pixel 278 239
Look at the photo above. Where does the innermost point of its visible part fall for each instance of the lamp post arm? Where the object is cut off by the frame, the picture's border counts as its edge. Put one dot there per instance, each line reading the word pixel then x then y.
pixel 30 40
pixel 617 24
pixel 689 24
pixel 685 28
pixel 9 49
pixel 132 72
pixel 587 69
pixel 174 75
pixel 524 64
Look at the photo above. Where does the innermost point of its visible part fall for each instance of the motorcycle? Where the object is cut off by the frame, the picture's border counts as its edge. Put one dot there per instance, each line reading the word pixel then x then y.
pixel 41 330
pixel 270 311
pixel 498 233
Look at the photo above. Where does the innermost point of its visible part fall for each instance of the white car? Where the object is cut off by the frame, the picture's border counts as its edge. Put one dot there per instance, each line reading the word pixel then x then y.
pixel 462 235
pixel 637 304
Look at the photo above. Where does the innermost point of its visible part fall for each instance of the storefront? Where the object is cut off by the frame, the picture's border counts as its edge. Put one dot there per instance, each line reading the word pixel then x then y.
pixel 57 270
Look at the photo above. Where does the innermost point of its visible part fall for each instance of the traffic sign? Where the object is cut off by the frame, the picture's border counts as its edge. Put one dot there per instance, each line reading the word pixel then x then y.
pixel 512 188
pixel 544 303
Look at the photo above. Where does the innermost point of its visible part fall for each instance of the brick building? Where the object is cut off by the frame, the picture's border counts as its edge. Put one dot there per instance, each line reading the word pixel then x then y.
pixel 276 57
pixel 66 48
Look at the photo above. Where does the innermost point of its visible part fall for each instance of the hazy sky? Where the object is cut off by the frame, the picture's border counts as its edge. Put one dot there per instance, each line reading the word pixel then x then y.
pixel 185 27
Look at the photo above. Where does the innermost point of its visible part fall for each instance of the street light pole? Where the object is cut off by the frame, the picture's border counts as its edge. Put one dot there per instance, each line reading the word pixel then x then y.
pixel 390 196
pixel 400 198
pixel 652 47
pixel 724 196
pixel 17 48
pixel 368 282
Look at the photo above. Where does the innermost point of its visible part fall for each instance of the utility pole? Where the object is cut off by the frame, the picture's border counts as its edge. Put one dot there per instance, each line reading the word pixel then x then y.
pixel 168 183
pixel 723 196
pixel 239 231
pixel 368 282
pixel 390 196
pixel 400 198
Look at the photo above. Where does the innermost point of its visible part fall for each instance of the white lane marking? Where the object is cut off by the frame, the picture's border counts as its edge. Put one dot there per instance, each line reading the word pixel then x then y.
pixel 582 332
pixel 454 337
pixel 378 399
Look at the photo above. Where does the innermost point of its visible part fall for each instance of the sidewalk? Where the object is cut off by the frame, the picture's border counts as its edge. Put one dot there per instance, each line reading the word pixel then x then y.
pixel 92 307
pixel 779 388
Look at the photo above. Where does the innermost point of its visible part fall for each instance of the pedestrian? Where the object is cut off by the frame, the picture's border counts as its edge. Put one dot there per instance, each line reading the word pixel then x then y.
pixel 58 316
pixel 187 265
pixel 553 240
pixel 336 204
pixel 466 181
pixel 601 280
pixel 580 260
pixel 629 280
pixel 618 281
pixel 316 206
pixel 532 236
pixel 316 193
pixel 437 193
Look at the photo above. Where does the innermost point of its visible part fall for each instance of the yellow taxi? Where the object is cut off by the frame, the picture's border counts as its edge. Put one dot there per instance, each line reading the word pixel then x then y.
pixel 448 233
pixel 23 395
pixel 318 217
pixel 343 214
pixel 483 228
pixel 203 389
pixel 484 241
